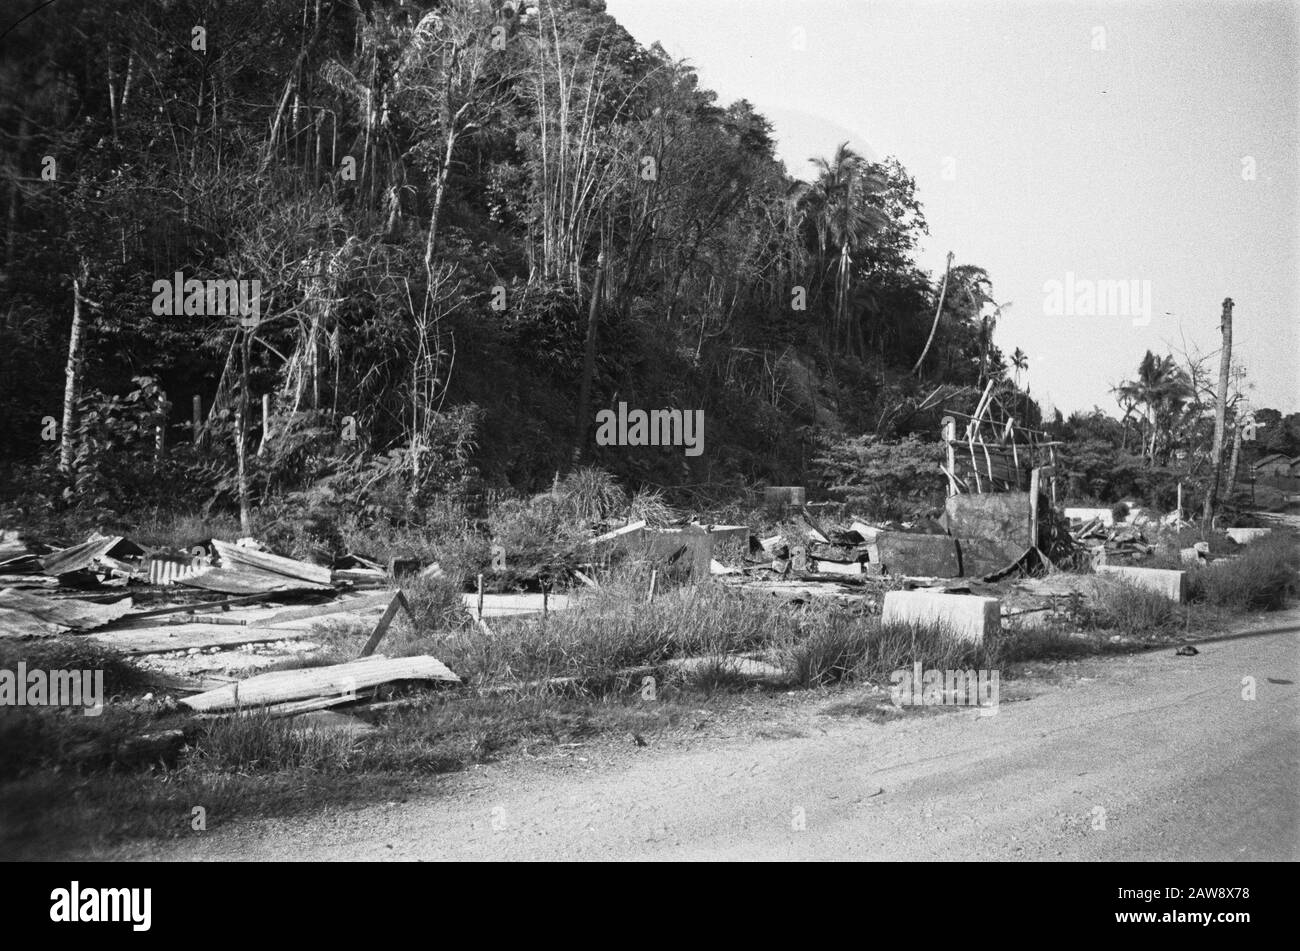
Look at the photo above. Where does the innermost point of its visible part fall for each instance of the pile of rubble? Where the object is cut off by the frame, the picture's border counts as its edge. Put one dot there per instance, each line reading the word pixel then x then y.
pixel 211 616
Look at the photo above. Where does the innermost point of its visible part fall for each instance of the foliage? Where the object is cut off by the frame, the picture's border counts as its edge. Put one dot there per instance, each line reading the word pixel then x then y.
pixel 883 479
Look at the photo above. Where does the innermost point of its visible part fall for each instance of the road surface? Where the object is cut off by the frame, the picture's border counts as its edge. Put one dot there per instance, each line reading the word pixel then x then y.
pixel 1146 757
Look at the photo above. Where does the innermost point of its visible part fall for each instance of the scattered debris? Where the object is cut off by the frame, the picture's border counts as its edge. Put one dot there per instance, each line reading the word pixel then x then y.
pixel 338 681
pixel 23 614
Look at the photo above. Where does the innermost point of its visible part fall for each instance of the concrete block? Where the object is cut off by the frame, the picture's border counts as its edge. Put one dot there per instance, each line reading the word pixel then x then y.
pixel 1086 515
pixel 778 496
pixel 1003 516
pixel 663 543
pixel 968 617
pixel 1172 584
pixel 1244 536
pixel 983 556
pixel 905 553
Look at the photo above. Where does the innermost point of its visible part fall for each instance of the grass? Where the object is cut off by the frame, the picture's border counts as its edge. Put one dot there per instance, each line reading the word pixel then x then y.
pixel 1132 611
pixel 574 676
pixel 1261 578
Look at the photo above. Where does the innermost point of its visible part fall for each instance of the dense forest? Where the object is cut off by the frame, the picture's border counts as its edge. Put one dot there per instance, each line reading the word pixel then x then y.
pixel 472 224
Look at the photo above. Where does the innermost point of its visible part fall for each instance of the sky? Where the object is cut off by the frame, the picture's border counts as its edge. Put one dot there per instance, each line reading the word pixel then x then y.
pixel 1133 141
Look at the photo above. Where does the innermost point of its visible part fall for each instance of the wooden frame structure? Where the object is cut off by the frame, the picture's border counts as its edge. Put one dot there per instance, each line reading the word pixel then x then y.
pixel 993 454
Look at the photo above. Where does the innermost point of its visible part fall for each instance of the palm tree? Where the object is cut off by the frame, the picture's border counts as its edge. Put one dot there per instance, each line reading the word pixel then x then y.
pixel 1163 390
pixel 842 219
pixel 1020 361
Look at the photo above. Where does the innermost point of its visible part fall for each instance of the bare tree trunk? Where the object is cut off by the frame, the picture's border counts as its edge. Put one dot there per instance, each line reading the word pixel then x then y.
pixel 1220 410
pixel 72 380
pixel 937 311
pixel 588 364
pixel 13 197
pixel 241 438
pixel 1236 458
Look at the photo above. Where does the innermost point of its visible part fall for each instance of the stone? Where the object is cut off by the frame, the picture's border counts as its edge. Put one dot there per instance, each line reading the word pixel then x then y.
pixel 967 617
pixel 1172 584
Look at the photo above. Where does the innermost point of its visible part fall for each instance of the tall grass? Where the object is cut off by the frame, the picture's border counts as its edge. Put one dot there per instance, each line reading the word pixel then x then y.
pixel 1120 605
pixel 1261 578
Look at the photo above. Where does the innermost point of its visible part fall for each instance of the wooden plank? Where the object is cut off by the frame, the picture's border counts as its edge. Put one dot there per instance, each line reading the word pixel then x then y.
pixel 838 568
pixel 513 605
pixel 165 638
pixel 370 602
pixel 239 557
pixel 398 600
pixel 197 607
pixel 305 683
pixel 628 529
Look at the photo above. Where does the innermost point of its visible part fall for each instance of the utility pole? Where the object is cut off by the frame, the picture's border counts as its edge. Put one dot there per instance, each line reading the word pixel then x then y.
pixel 1220 411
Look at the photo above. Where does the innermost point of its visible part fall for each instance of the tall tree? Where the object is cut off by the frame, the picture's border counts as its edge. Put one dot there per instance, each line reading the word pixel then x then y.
pixel 1220 409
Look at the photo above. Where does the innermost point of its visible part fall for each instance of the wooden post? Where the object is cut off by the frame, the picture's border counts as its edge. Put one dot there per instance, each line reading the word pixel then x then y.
pixel 1035 477
pixel 266 423
pixel 197 414
pixel 480 597
pixel 545 600
pixel 949 435
pixel 654 578
pixel 1180 501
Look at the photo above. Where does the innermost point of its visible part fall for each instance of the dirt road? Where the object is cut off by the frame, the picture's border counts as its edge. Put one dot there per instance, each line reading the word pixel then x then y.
pixel 1149 756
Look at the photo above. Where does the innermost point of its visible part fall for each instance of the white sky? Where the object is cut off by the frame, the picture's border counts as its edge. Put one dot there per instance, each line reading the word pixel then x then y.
pixel 1122 163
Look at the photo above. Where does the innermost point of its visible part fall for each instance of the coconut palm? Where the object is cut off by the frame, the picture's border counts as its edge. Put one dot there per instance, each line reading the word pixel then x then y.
pixel 842 218
pixel 1163 390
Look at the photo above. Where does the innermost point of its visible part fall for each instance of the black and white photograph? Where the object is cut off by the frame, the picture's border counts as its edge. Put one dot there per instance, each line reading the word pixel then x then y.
pixel 681 431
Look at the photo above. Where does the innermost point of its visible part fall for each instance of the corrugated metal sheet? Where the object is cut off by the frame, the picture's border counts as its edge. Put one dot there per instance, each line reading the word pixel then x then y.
pixel 164 568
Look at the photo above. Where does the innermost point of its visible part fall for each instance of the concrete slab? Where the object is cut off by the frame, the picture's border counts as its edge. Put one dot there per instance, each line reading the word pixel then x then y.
pixel 1172 584
pixel 1003 516
pixel 1086 515
pixel 904 553
pixel 777 496
pixel 968 617
pixel 1244 536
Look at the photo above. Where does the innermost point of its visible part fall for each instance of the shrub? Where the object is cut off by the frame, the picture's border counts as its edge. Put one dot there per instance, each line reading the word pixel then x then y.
pixel 590 495
pixel 883 480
